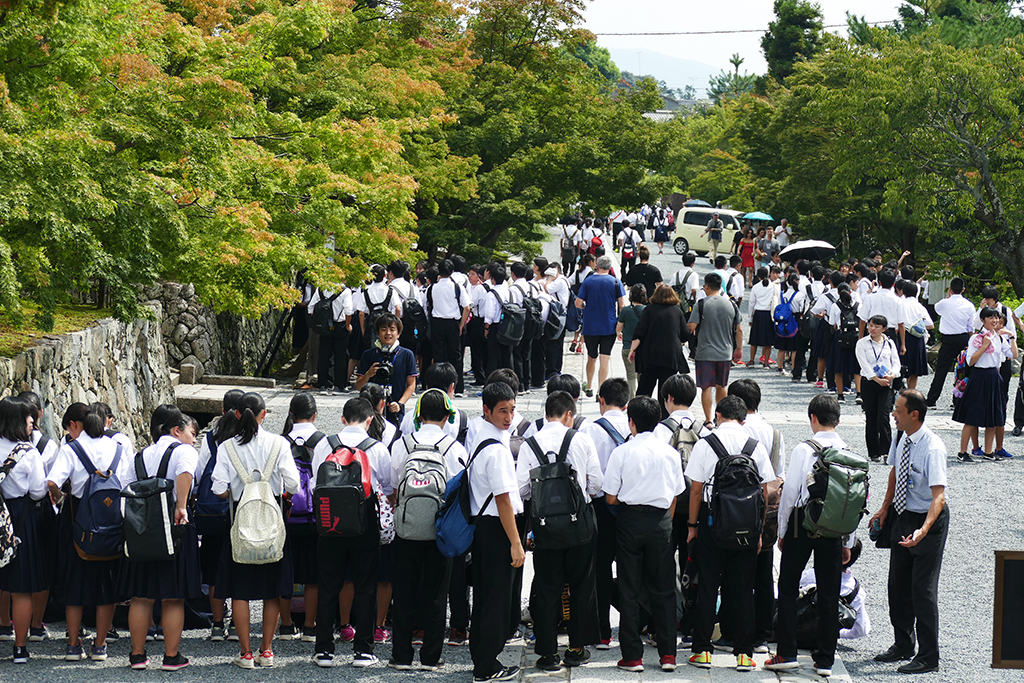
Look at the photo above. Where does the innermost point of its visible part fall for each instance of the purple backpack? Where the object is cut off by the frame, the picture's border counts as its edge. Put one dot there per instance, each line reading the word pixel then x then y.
pixel 302 500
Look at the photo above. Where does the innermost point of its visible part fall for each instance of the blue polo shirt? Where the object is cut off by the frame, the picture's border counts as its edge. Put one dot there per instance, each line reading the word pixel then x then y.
pixel 601 294
pixel 405 367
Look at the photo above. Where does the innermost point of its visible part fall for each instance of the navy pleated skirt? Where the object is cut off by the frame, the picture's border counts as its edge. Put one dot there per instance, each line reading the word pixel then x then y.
pixel 178 578
pixel 842 361
pixel 762 330
pixel 82 582
pixel 27 572
pixel 982 402
pixel 210 549
pixel 303 540
pixel 916 358
pixel 253 581
pixel 821 344
pixel 785 343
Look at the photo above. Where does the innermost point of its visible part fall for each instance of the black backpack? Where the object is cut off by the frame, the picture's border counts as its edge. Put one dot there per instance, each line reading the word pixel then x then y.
pixel 512 324
pixel 147 505
pixel 414 318
pixel 343 490
pixel 555 324
pixel 323 315
pixel 809 323
pixel 373 311
pixel 737 500
pixel 559 514
pixel 533 327
pixel 849 326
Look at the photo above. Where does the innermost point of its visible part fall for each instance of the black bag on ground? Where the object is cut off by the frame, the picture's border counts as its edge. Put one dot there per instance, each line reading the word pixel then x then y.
pixel 559 514
pixel 147 506
pixel 737 500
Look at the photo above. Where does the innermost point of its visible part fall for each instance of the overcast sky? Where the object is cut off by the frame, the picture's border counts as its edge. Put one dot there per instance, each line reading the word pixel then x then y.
pixel 640 16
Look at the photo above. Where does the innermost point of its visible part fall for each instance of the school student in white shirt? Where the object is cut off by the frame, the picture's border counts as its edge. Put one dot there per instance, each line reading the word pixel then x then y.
pixel 762 329
pixel 643 478
pixel 981 404
pixel 879 367
pixel 555 567
pixel 448 307
pixel 498 355
pixel 497 548
pixel 333 348
pixel 918 326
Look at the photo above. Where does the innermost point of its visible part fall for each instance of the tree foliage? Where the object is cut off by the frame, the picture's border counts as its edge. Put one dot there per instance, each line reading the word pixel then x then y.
pixel 793 36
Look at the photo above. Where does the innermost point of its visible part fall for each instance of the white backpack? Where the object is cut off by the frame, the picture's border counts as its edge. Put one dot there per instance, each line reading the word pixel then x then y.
pixel 421 491
pixel 257 533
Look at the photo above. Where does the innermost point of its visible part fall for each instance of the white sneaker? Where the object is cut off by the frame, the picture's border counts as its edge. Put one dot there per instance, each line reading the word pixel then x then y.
pixel 324 660
pixel 265 658
pixel 245 661
pixel 364 659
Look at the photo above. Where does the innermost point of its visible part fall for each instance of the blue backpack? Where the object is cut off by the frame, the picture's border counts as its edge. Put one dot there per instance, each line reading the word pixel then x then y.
pixel 573 315
pixel 98 533
pixel 454 521
pixel 786 325
pixel 211 514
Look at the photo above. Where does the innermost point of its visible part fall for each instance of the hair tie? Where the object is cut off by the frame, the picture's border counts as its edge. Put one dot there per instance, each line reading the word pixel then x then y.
pixel 238 415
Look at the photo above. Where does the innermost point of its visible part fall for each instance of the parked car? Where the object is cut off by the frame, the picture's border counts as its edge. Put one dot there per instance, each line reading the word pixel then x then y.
pixel 691 222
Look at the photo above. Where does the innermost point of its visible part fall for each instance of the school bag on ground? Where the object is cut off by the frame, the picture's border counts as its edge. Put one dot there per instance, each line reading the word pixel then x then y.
pixel 559 514
pixel 301 515
pixel 98 521
pixel 421 490
pixel 9 542
pixel 848 332
pixel 512 324
pixel 737 499
pixel 343 485
pixel 785 321
pixel 809 323
pixel 454 525
pixel 257 532
pixel 838 490
pixel 211 511
pixel 807 615
pixel 147 505
pixel 323 315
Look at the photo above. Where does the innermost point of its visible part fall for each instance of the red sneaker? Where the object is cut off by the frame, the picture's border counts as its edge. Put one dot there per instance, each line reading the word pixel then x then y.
pixel 668 663
pixel 631 665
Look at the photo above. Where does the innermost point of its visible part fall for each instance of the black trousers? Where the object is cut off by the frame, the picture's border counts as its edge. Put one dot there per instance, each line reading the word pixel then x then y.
pixel 420 580
pixel 653 375
pixel 914 585
pixel 446 341
pixel 723 567
pixel 616 229
pixel 800 359
pixel 359 558
pixel 605 556
pixel 492 595
pixel 764 600
pixel 1006 372
pixel 498 355
pixel 952 345
pixel 515 606
pixel 522 364
pixel 645 566
pixel 477 349
pixel 552 570
pixel 878 401
pixel 553 358
pixel 458 594
pixel 897 383
pixel 333 351
pixel 538 365
pixel 627 263
pixel 1018 401
pixel 797 548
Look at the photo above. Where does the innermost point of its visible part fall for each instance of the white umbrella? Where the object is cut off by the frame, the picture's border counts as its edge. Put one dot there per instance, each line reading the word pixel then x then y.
pixel 810 250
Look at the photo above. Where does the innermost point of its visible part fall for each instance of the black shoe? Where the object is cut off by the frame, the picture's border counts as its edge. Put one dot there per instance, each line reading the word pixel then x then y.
pixel 964 457
pixel 504 674
pixel 916 667
pixel 548 663
pixel 894 654
pixel 573 657
pixel 21 655
pixel 797 380
pixel 175 663
pixel 1016 431
pixel 841 398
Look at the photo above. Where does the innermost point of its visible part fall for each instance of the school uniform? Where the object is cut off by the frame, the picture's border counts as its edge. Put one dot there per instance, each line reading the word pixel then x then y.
pixel 606 535
pixel 916 359
pixel 375 294
pixel 762 303
pixel 24 485
pixel 477 432
pixel 634 237
pixel 558 290
pixel 491 473
pixel 720 567
pixel 841 361
pixel 302 536
pixel 554 568
pixel 498 355
pixel 406 290
pixel 254 581
pixel 811 291
pixel 821 344
pixel 421 572
pixel 446 302
pixel 333 348
pixel 177 578
pixel 539 352
pixel 797 548
pixel 46 513
pixel 570 247
pixel 982 404
pixel 356 558
pixel 82 582
pixel 795 299
pixel 646 476
pixel 875 359
pixel 956 324
pixel 211 543
pixel 475 333
pixel 1005 369
pixel 522 353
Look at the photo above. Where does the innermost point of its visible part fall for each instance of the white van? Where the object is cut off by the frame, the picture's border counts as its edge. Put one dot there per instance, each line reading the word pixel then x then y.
pixel 692 221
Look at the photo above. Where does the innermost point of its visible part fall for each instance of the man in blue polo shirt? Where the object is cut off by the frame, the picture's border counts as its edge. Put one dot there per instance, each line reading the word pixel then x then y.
pixel 390 365
pixel 601 298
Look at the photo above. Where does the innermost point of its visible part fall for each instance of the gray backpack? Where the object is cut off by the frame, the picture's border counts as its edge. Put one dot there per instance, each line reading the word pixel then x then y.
pixel 421 491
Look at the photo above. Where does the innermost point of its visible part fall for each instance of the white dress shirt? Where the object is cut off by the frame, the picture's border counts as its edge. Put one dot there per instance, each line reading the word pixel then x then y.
pixel 493 472
pixel 825 301
pixel 956 315
pixel 994 355
pixel 100 451
pixel 27 478
pixel 680 417
pixel 762 297
pixel 602 441
pixel 558 288
pixel 378 292
pixel 794 493
pixel 489 306
pixel 644 471
pixel 454 455
pixel 408 425
pixel 447 300
pixel 254 456
pixel 871 354
pixel 927 467
pixel 884 302
pixel 340 307
pixel 49 451
pixel 377 454
pixel 183 460
pixel 691 283
pixel 1005 310
pixel 582 455
pixel 757 427
pixel 733 437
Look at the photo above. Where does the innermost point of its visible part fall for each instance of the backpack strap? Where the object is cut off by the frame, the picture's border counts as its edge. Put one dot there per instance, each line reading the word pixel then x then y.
pixel 716 445
pixel 314 439
pixel 577 421
pixel 524 424
pixel 613 433
pixel 44 441
pixel 539 422
pixel 463 427
pixel 82 457
pixel 13 458
pixel 542 458
pixel 563 451
pixel 334 442
pixel 366 444
pixel 749 447
pixel 479 447
pixel 236 463
pixel 848 599
pixel 165 462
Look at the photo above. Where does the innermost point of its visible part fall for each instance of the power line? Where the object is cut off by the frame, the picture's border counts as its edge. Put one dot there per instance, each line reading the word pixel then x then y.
pixel 718 33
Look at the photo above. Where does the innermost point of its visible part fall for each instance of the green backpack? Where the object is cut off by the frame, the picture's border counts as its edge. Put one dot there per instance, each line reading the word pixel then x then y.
pixel 838 488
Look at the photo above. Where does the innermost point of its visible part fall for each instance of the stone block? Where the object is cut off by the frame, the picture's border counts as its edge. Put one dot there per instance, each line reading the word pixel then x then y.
pixel 187 373
pixel 187 292
pixel 201 349
pixel 197 366
pixel 187 319
pixel 171 290
pixel 195 333
pixel 179 334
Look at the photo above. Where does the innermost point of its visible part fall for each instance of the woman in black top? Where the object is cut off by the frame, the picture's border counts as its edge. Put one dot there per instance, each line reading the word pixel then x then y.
pixel 644 273
pixel 658 340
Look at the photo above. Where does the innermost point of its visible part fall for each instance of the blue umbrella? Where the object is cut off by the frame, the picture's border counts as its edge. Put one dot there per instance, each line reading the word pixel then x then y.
pixel 696 202
pixel 758 216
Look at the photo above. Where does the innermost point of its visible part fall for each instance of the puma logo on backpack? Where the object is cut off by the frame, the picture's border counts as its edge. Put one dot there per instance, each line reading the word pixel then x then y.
pixel 421 491
pixel 343 487
pixel 257 534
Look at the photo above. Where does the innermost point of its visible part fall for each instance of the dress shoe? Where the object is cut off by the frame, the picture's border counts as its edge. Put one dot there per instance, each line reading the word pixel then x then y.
pixel 894 654
pixel 917 667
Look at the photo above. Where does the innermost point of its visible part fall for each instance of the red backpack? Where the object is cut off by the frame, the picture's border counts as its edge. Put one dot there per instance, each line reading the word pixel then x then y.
pixel 595 243
pixel 343 487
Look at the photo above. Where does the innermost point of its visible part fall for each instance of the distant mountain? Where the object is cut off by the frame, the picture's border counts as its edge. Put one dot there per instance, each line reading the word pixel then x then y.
pixel 676 72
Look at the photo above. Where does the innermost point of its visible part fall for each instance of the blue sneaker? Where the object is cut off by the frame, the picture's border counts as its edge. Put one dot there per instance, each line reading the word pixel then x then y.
pixel 1003 453
pixel 977 452
pixel 98 653
pixel 74 653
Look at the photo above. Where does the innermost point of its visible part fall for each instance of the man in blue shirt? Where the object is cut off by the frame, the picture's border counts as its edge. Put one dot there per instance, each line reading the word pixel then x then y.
pixel 390 365
pixel 601 298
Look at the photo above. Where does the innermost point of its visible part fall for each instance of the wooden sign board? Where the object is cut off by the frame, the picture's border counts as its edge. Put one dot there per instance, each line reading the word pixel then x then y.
pixel 1008 631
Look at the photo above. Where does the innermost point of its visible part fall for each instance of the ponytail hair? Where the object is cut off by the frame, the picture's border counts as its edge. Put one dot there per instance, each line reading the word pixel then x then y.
pixel 302 407
pixel 844 294
pixel 95 422
pixel 762 275
pixel 165 418
pixel 374 394
pixel 249 408
pixel 227 425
